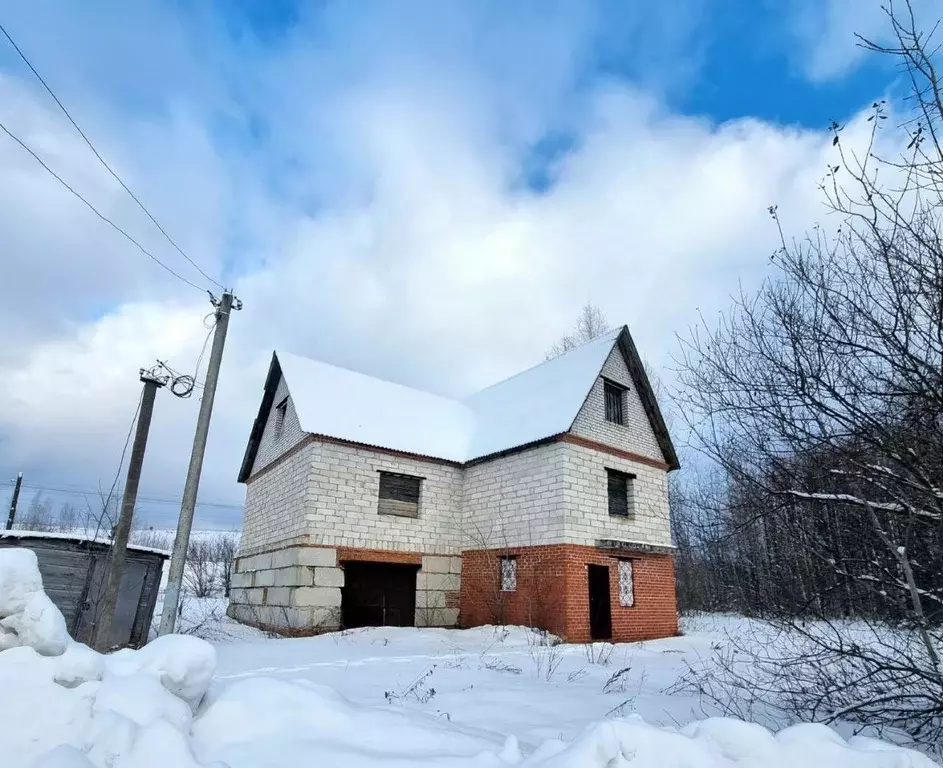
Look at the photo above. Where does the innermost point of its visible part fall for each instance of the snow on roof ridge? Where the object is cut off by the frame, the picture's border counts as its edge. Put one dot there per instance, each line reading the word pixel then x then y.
pixel 613 333
pixel 79 537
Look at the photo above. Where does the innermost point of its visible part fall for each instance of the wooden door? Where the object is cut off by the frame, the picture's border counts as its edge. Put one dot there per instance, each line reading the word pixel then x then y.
pixel 379 595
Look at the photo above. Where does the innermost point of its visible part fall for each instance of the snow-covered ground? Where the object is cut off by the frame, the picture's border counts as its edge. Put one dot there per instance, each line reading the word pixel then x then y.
pixel 379 697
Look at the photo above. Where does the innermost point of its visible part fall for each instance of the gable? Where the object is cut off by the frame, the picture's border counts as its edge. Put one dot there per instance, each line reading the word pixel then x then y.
pixel 275 441
pixel 539 404
pixel 637 434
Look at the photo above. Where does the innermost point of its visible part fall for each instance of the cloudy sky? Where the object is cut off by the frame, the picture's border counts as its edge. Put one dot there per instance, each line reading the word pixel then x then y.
pixel 423 191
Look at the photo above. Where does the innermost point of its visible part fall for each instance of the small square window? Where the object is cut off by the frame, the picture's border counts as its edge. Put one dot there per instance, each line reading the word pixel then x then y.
pixel 620 487
pixel 626 584
pixel 280 410
pixel 509 574
pixel 614 395
pixel 399 495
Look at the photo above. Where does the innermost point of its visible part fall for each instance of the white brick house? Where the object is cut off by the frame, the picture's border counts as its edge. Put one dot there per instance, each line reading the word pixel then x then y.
pixel 541 499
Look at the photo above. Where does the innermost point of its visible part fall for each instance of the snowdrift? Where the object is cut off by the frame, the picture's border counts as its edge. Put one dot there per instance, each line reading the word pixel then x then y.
pixel 63 705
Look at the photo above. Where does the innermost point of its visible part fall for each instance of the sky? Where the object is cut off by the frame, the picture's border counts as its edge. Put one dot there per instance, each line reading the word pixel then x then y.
pixel 422 191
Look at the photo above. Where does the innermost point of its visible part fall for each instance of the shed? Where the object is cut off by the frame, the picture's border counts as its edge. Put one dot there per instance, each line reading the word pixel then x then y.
pixel 73 568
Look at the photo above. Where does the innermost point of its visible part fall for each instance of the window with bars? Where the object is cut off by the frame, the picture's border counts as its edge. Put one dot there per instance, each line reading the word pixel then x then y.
pixel 399 495
pixel 508 573
pixel 626 584
pixel 614 396
pixel 280 411
pixel 621 487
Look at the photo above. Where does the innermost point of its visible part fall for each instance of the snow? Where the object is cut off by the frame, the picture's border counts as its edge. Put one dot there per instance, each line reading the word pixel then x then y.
pixel 535 404
pixel 27 616
pixel 478 698
pixel 76 536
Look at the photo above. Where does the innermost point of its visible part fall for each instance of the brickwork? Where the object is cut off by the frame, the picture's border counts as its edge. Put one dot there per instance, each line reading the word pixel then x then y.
pixel 341 501
pixel 636 434
pixel 295 590
pixel 270 446
pixel 274 508
pixel 586 500
pixel 553 592
pixel 515 500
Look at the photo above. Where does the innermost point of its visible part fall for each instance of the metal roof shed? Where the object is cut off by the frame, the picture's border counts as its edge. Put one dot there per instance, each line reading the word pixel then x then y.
pixel 73 568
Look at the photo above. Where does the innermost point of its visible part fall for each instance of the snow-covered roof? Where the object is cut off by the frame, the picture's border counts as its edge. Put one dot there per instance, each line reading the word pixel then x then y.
pixel 351 406
pixel 76 537
pixel 536 404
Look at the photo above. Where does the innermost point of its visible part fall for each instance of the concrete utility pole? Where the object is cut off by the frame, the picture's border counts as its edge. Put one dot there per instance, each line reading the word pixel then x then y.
pixel 178 559
pixel 119 547
pixel 14 500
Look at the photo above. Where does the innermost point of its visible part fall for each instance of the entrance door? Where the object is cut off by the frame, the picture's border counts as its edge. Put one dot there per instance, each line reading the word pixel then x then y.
pixel 600 616
pixel 379 595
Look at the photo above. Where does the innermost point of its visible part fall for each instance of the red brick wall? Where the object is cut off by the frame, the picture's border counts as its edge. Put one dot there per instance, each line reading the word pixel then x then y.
pixel 553 592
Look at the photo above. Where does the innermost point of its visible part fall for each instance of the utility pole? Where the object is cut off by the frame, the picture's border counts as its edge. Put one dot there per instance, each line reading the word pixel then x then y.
pixel 119 546
pixel 14 500
pixel 178 559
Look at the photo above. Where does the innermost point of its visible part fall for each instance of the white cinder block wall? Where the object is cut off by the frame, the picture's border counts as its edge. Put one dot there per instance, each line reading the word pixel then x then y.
pixel 340 504
pixel 274 512
pixel 636 435
pixel 516 500
pixel 586 500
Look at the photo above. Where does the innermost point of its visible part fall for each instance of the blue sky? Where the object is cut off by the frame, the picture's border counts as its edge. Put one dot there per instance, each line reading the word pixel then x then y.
pixel 423 191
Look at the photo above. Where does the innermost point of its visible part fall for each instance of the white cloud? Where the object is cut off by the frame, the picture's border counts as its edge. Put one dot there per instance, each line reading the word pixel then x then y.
pixel 826 31
pixel 431 264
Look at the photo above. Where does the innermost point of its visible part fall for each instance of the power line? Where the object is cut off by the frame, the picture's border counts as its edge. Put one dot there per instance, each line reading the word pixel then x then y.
pixel 79 491
pixel 94 210
pixel 102 160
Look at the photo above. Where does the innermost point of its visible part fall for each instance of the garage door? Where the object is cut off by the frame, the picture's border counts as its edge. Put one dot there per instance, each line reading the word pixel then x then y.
pixel 379 595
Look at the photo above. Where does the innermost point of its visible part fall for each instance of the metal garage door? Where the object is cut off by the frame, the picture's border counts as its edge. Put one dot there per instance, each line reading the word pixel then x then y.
pixel 379 595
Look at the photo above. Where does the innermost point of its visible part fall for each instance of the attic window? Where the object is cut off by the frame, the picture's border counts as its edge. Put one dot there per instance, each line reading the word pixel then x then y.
pixel 399 495
pixel 614 395
pixel 280 410
pixel 620 493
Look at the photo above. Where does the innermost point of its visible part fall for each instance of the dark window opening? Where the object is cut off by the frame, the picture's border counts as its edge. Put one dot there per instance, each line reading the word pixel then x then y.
pixel 620 492
pixel 399 495
pixel 280 410
pixel 614 395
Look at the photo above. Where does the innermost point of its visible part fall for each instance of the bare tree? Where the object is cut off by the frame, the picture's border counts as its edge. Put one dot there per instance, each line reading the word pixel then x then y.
pixel 591 324
pixel 821 398
pixel 201 567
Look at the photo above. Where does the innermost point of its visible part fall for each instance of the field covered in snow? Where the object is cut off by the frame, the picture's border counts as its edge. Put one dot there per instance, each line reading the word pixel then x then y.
pixel 376 697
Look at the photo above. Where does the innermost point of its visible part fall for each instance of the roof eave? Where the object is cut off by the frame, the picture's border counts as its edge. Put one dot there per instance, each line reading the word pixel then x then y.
pixel 258 426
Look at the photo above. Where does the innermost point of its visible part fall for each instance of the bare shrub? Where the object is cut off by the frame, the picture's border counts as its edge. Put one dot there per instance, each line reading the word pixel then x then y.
pixel 599 653
pixel 617 681
pixel 546 652
pixel 419 689
pixel 497 665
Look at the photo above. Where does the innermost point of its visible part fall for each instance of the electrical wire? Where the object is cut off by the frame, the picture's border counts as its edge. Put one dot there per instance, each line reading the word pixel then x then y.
pixel 66 490
pixel 102 160
pixel 124 451
pixel 94 210
pixel 183 384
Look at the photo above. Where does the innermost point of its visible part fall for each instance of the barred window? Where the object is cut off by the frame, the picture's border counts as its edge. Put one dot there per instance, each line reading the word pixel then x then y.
pixel 626 584
pixel 508 574
pixel 621 487
pixel 399 495
pixel 614 395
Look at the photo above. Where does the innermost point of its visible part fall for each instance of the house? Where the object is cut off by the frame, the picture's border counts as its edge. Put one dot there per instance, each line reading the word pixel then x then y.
pixel 540 500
